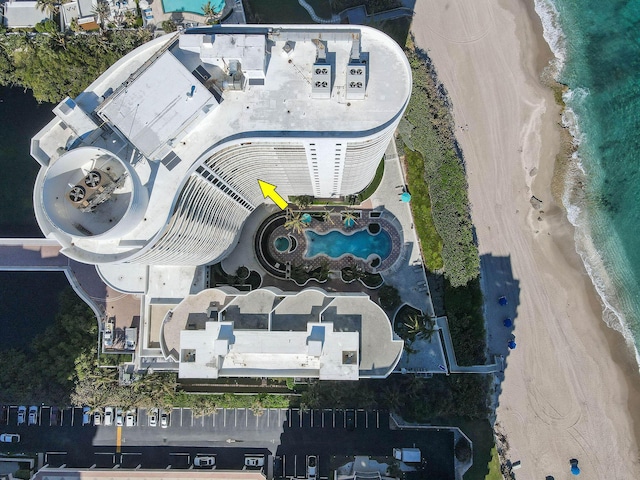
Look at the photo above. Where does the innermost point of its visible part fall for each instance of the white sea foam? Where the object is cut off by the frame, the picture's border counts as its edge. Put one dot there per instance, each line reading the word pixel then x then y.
pixel 552 32
pixel 573 196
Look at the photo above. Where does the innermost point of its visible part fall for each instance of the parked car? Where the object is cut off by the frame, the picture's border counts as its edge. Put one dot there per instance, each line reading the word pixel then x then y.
pixel 33 415
pixel 153 417
pixel 55 416
pixel 254 461
pixel 164 420
pixel 312 467
pixel 107 336
pixel 97 419
pixel 22 414
pixel 119 417
pixel 9 437
pixel 108 416
pixel 204 462
pixel 130 418
pixel 86 416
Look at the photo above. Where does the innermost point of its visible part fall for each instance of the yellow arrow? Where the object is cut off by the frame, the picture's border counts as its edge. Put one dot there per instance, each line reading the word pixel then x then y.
pixel 269 191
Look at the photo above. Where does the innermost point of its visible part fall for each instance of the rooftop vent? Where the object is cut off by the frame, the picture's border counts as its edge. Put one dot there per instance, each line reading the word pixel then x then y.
pixel 356 80
pixel 321 80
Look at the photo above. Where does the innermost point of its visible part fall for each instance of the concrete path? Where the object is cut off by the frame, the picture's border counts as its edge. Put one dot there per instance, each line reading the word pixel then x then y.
pixel 334 18
pixel 408 274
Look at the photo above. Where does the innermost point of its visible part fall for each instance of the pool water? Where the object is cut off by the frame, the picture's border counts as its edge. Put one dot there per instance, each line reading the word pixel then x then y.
pixel 282 244
pixel 360 244
pixel 193 6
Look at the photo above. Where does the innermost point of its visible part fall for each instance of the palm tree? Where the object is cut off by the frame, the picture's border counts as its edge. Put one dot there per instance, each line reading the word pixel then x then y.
pixel 326 217
pixel 209 12
pixel 420 326
pixel 349 219
pixel 294 222
pixel 50 6
pixel 102 11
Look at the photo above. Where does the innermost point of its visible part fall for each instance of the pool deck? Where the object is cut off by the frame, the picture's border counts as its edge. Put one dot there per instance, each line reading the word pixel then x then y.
pixel 182 18
pixel 297 257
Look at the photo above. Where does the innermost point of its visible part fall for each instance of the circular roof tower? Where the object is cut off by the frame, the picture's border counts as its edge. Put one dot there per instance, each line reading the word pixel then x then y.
pixel 91 193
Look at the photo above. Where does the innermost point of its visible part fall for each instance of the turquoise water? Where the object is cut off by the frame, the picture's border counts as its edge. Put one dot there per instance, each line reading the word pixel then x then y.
pixel 282 244
pixel 193 6
pixel 360 244
pixel 597 44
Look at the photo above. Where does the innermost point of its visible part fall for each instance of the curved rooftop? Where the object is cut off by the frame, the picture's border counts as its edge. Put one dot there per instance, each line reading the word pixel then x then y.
pixel 270 333
pixel 200 116
pixel 90 192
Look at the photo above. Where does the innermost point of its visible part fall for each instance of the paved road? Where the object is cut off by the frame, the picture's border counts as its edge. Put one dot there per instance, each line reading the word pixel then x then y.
pixel 284 436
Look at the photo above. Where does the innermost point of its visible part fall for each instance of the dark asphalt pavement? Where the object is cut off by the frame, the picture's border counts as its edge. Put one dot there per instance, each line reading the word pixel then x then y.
pixel 290 435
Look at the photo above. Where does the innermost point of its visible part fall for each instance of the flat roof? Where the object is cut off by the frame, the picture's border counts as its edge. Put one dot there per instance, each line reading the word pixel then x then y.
pixel 267 332
pixel 146 98
pixel 155 107
pixel 19 14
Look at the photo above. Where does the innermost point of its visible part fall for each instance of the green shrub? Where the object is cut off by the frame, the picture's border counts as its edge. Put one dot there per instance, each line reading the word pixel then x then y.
pixel 431 134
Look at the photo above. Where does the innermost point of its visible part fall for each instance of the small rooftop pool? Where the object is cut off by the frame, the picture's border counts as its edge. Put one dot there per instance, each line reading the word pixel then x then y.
pixel 191 6
pixel 360 244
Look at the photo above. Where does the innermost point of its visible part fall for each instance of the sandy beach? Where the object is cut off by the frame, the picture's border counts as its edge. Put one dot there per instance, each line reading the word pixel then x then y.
pixel 570 389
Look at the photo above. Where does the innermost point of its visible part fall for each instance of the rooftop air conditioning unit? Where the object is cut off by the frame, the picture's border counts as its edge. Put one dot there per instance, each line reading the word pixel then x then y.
pixel 77 194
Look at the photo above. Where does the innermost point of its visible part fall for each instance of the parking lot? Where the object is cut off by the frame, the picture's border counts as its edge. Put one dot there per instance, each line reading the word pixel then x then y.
pixel 285 438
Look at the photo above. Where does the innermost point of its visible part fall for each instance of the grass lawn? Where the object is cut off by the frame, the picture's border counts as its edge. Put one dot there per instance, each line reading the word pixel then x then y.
pixel 421 208
pixel 375 183
pixel 494 467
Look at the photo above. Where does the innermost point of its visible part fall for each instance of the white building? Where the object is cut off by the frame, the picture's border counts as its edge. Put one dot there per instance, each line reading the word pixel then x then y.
pixel 198 118
pixel 153 170
pixel 22 14
pixel 268 333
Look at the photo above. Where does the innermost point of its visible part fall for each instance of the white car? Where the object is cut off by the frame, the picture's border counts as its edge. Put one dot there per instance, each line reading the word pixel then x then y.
pixel 312 467
pixel 22 414
pixel 254 461
pixel 119 417
pixel 130 418
pixel 33 415
pixel 86 416
pixel 108 416
pixel 107 336
pixel 153 417
pixel 164 420
pixel 97 419
pixel 204 461
pixel 9 437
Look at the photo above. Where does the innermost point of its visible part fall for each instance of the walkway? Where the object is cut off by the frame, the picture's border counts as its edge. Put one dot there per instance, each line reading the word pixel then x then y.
pixel 358 15
pixel 497 366
pixel 408 274
pixel 334 18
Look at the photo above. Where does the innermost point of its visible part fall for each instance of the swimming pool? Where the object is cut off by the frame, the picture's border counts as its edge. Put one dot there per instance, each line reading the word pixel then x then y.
pixel 192 6
pixel 360 244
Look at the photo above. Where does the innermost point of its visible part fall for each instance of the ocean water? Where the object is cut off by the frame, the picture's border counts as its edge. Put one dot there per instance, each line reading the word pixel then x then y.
pixel 597 48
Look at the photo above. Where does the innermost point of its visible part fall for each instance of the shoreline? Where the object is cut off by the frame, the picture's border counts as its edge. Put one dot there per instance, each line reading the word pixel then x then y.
pixel 572 382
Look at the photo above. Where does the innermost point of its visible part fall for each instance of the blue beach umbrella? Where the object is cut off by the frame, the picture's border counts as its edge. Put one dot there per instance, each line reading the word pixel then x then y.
pixel 507 322
pixel 306 218
pixel 405 197
pixel 575 470
pixel 511 344
pixel 503 301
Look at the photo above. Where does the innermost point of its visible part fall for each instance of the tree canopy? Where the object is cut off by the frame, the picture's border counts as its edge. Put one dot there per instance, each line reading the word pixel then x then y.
pixel 55 65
